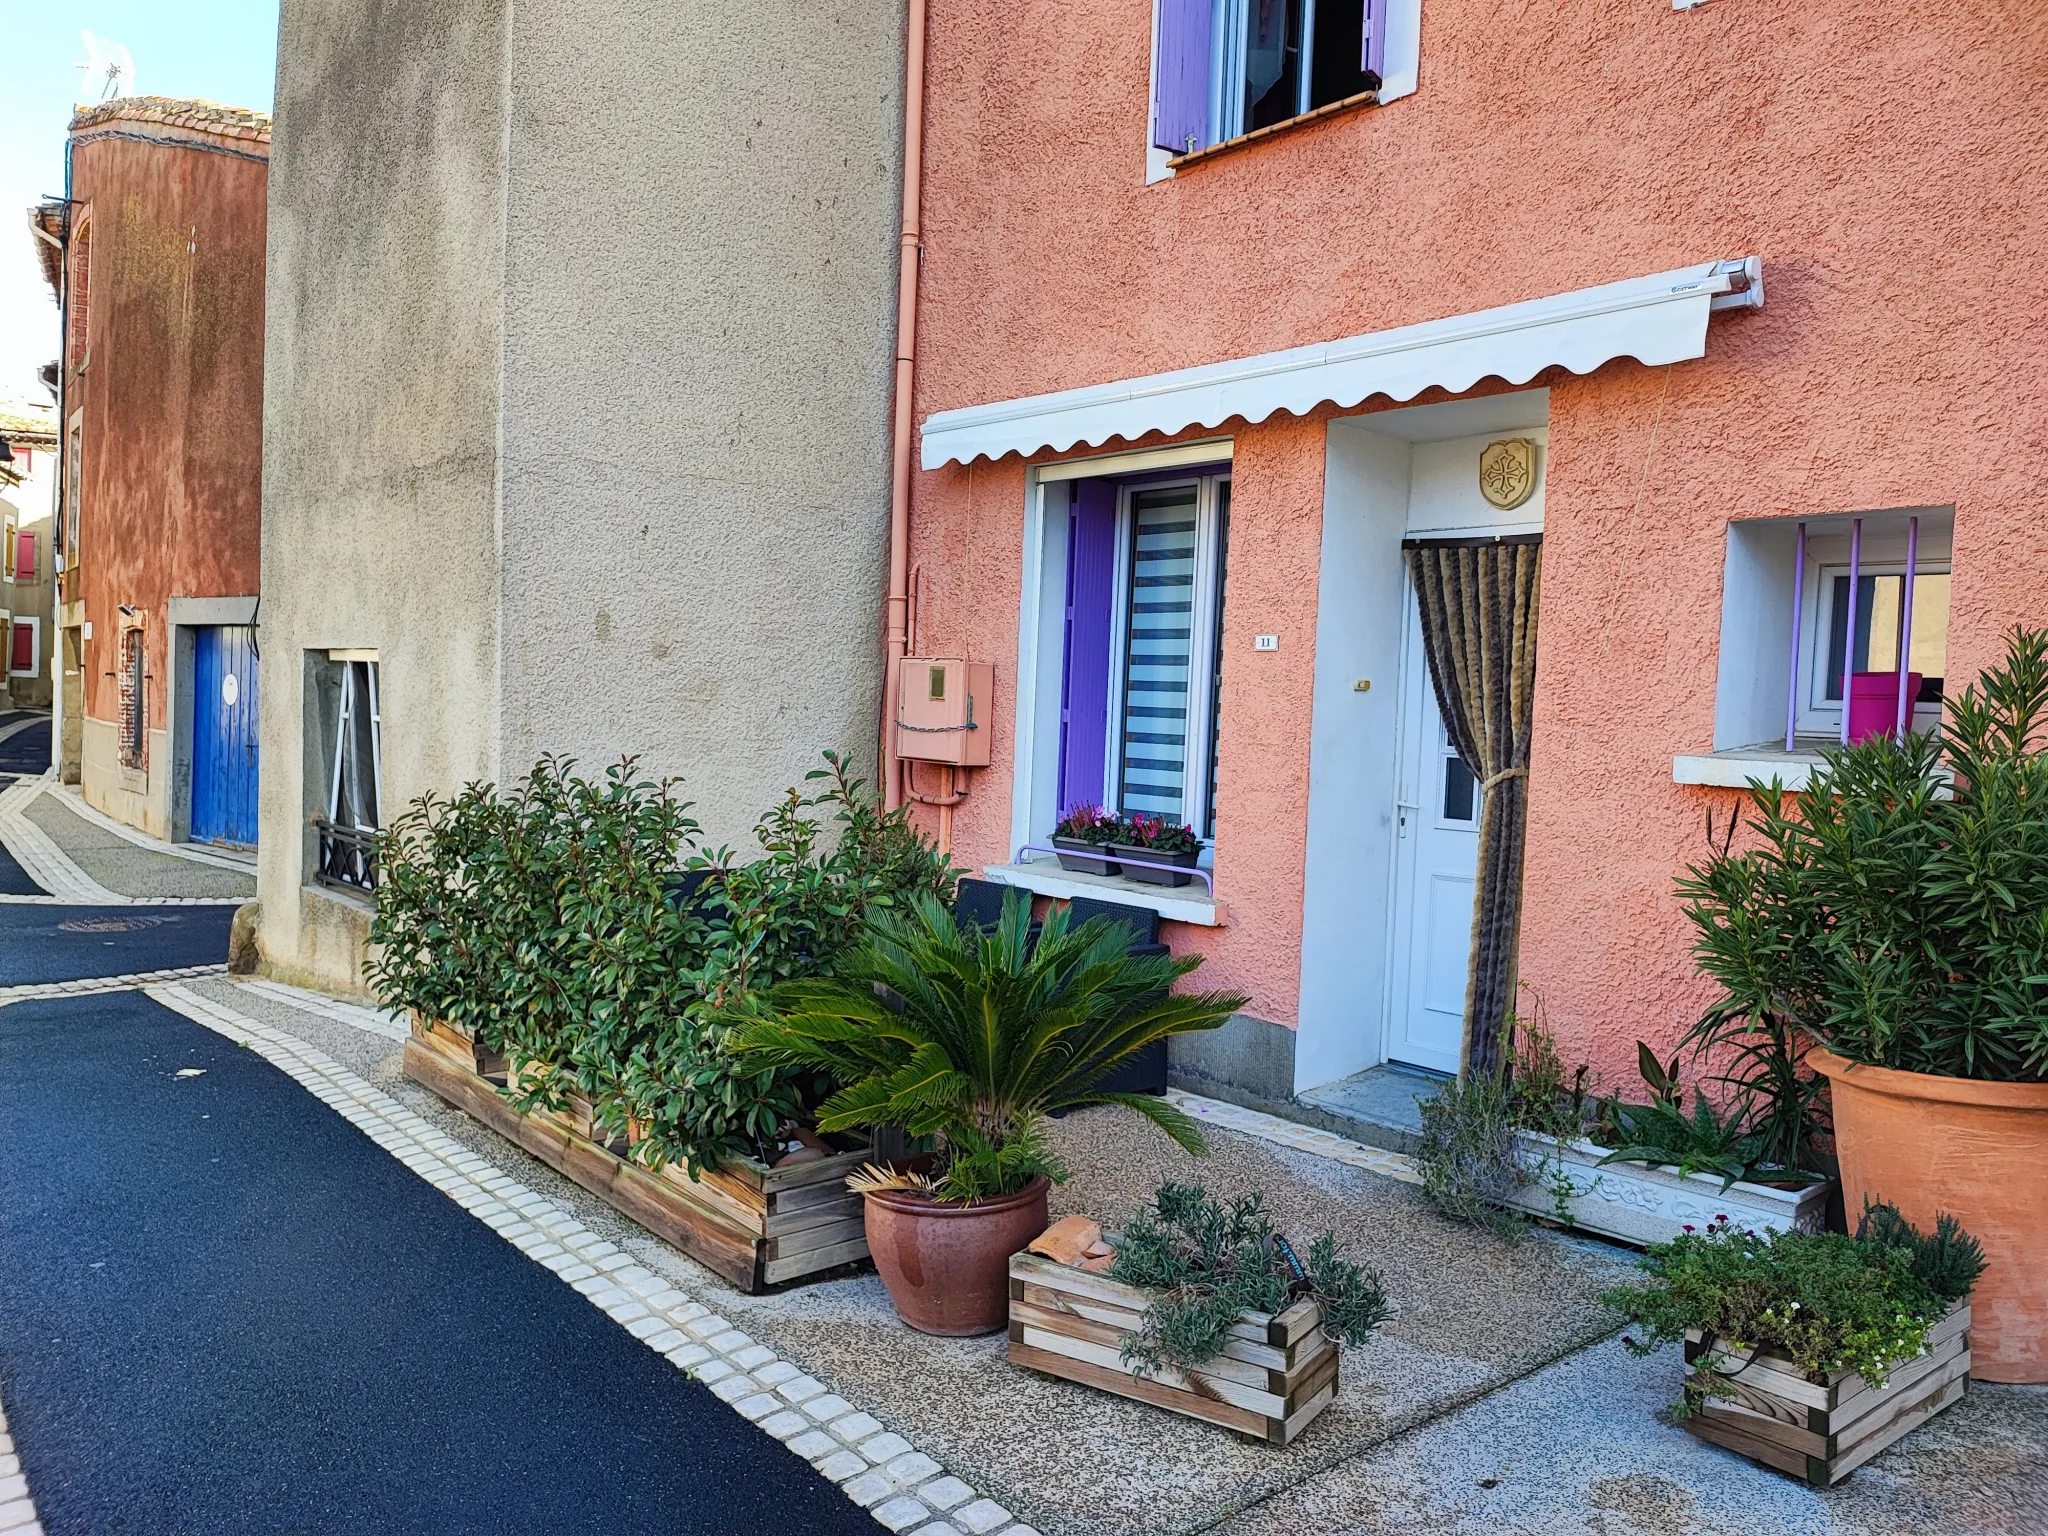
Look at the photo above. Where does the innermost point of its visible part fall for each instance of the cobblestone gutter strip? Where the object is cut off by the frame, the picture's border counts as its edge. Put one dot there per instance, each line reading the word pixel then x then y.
pixel 93 985
pixel 902 1488
pixel 354 1015
pixel 1301 1138
pixel 50 867
pixel 17 1509
pixel 39 856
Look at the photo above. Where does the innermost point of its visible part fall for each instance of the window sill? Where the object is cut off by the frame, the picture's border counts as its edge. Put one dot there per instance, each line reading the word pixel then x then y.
pixel 1334 109
pixel 1175 903
pixel 1736 766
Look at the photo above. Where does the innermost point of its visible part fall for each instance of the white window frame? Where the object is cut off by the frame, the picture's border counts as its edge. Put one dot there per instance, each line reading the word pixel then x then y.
pixel 1041 622
pixel 35 630
pixel 1204 619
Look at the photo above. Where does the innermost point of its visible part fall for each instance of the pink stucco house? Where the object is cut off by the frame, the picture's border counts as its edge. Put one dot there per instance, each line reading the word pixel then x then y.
pixel 1249 329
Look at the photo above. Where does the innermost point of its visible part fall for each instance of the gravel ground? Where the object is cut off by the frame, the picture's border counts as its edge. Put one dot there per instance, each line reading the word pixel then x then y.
pixel 122 867
pixel 1484 1371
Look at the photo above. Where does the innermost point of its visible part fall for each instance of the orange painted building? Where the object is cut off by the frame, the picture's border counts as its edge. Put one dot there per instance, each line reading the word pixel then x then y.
pixel 157 255
pixel 1647 289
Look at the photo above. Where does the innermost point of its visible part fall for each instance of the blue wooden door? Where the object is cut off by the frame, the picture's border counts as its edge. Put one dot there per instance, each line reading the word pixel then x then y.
pixel 224 734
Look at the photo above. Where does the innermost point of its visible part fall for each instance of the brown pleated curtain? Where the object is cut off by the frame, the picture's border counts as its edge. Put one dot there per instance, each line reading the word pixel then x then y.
pixel 1478 600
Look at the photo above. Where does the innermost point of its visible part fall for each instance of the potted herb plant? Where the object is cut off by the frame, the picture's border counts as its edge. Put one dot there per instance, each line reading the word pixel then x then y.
pixel 971 1039
pixel 1154 840
pixel 1530 1140
pixel 1811 1352
pixel 1204 1311
pixel 1086 827
pixel 1896 912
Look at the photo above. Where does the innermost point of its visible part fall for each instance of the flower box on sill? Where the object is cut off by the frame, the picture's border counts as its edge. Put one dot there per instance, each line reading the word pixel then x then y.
pixel 755 1225
pixel 1821 1428
pixel 1140 864
pixel 1636 1203
pixel 1277 1372
pixel 1078 856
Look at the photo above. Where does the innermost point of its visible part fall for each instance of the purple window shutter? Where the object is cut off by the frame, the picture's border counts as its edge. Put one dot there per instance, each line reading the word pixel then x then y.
pixel 1180 76
pixel 1374 54
pixel 1084 687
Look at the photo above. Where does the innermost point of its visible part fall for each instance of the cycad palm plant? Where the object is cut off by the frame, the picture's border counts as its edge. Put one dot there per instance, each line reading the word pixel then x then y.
pixel 974 1037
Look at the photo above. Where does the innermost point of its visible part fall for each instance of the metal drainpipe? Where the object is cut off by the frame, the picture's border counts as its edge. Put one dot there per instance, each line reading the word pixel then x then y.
pixel 58 545
pixel 897 613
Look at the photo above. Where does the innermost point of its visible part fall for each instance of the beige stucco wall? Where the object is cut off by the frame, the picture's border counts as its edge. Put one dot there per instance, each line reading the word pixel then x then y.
pixel 576 404
pixel 699 322
pixel 380 429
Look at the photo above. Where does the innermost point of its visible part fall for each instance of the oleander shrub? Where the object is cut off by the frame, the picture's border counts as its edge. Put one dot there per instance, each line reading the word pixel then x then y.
pixel 1897 908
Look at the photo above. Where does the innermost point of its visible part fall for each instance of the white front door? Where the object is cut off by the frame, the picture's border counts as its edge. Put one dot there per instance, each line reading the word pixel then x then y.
pixel 1437 856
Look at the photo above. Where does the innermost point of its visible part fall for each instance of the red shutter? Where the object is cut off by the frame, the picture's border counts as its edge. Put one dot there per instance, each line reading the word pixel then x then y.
pixel 24 659
pixel 24 557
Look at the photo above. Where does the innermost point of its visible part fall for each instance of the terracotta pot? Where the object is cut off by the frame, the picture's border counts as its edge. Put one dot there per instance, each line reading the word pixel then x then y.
pixel 947 1267
pixel 1978 1151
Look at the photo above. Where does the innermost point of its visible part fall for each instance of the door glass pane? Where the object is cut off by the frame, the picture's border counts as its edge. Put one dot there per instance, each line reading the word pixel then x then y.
pixel 1877 629
pixel 1458 790
pixel 1157 649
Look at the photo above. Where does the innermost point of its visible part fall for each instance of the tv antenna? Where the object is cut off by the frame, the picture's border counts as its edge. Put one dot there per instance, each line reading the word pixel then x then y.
pixel 107 69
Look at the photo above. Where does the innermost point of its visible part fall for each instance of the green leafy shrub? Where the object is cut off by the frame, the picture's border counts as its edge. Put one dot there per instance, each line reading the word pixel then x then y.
pixel 973 1038
pixel 541 921
pixel 1897 908
pixel 1827 1301
pixel 1210 1264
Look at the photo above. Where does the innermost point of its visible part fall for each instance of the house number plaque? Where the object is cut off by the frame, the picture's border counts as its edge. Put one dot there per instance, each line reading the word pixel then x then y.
pixel 1507 472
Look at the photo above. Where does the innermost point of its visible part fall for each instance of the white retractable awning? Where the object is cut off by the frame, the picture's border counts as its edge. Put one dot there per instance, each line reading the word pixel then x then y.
pixel 1657 319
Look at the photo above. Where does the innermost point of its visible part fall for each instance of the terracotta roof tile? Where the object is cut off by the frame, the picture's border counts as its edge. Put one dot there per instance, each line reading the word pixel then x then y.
pixel 170 112
pixel 35 425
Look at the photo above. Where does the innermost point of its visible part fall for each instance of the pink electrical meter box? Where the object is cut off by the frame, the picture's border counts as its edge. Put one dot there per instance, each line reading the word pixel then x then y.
pixel 943 710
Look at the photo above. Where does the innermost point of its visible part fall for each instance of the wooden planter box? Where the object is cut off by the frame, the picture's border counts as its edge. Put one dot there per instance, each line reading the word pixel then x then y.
pixel 1274 1376
pixel 755 1225
pixel 1819 1429
pixel 1636 1203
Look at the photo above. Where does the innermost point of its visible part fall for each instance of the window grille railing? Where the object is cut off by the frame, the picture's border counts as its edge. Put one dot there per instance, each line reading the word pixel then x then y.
pixel 347 857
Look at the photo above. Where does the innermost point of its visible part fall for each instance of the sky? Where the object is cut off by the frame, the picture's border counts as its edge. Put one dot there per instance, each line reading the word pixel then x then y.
pixel 222 50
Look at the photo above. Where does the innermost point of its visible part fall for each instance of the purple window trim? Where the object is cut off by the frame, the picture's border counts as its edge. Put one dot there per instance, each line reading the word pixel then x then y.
pixel 1906 627
pixel 1084 679
pixel 1798 604
pixel 1373 55
pixel 1180 76
pixel 1849 644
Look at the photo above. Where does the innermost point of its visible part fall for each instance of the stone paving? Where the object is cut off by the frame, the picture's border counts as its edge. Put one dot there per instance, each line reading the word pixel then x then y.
pixel 17 1509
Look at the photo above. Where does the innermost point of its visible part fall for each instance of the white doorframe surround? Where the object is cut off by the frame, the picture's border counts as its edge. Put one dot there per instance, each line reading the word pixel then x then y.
pixel 1388 476
pixel 1657 319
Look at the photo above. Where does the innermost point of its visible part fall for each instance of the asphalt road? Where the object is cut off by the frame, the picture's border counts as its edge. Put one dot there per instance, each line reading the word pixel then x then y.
pixel 223 1309
pixel 26 751
pixel 49 943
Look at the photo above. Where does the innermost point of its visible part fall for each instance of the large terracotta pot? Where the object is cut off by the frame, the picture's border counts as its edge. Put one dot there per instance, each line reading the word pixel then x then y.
pixel 1978 1151
pixel 947 1267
